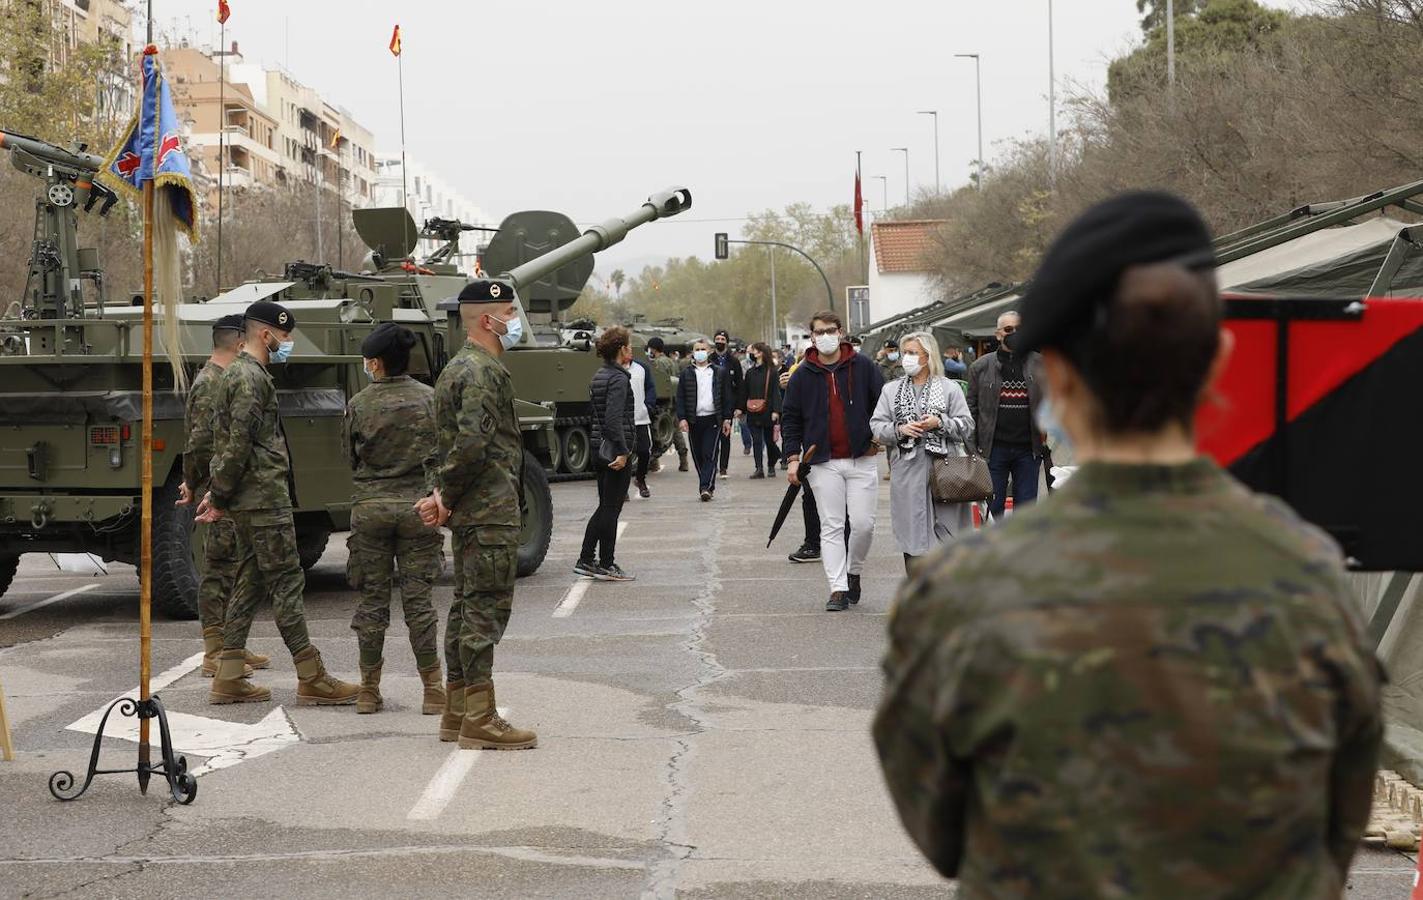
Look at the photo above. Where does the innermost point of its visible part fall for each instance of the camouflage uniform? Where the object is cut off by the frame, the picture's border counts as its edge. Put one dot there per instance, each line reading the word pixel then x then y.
pixel 251 472
pixel 479 483
pixel 219 538
pixel 389 436
pixel 665 365
pixel 1153 686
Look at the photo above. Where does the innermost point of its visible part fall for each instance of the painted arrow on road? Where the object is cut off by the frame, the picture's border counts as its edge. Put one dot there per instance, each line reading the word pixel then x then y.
pixel 222 743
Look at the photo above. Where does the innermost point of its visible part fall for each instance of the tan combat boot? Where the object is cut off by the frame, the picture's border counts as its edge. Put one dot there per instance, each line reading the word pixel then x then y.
pixel 369 699
pixel 453 717
pixel 228 685
pixel 212 646
pixel 257 660
pixel 485 729
pixel 316 687
pixel 434 701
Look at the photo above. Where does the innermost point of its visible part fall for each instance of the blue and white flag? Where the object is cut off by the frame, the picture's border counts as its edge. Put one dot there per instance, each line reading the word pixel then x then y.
pixel 150 150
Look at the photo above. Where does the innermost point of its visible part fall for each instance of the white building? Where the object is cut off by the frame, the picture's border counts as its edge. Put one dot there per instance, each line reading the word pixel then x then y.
pixel 427 196
pixel 901 278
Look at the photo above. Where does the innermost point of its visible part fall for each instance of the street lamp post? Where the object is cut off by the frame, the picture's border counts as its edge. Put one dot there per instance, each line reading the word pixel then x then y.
pixel 905 151
pixel 1170 43
pixel 978 91
pixel 938 185
pixel 1051 102
pixel 884 191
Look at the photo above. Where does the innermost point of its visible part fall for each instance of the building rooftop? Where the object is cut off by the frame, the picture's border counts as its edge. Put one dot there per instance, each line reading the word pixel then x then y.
pixel 904 246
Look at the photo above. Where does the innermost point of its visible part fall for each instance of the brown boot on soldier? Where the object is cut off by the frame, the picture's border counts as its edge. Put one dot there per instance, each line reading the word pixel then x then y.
pixel 485 729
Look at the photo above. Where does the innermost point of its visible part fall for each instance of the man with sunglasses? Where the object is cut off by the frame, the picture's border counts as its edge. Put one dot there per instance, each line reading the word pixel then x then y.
pixel 1004 390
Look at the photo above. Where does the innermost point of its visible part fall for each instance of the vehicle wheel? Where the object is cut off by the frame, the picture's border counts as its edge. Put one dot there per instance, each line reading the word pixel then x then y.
pixel 311 543
pixel 577 450
pixel 555 451
pixel 664 431
pixel 537 528
pixel 175 575
pixel 9 564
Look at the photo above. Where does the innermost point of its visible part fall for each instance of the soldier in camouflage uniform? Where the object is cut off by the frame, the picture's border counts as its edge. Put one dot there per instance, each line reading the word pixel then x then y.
pixel 661 362
pixel 480 497
pixel 251 484
pixel 219 540
pixel 1155 684
pixel 390 441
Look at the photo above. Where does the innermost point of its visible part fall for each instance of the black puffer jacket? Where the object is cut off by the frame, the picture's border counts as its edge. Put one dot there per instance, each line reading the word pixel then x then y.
pixel 610 392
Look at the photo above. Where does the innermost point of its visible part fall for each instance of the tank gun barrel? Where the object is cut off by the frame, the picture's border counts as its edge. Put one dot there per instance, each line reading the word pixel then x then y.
pixel 672 201
pixel 78 160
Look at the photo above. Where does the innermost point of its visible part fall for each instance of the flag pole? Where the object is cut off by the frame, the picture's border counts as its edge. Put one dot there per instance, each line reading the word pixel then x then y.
pixel 145 553
pixel 400 70
pixel 221 137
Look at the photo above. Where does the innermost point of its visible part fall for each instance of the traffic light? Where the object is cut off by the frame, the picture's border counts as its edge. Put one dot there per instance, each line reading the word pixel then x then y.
pixel 721 245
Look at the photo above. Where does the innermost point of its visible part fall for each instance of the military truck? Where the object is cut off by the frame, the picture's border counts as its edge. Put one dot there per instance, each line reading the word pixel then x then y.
pixel 70 405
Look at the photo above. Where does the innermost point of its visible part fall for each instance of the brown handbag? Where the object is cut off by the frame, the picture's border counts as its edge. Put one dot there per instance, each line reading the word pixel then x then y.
pixel 759 405
pixel 960 479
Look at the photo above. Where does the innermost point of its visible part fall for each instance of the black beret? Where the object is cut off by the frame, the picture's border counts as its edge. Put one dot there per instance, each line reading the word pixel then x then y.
pixel 386 337
pixel 234 322
pixel 269 313
pixel 721 334
pixel 487 290
pixel 1078 275
pixel 655 343
pixel 889 343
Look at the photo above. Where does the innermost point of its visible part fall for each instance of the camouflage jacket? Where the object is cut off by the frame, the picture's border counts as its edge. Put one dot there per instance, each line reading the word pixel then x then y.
pixel 390 441
pixel 200 416
pixel 1152 685
pixel 664 365
pixel 251 468
pixel 480 443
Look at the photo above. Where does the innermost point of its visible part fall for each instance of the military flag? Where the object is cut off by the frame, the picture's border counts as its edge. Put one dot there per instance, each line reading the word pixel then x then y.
pixel 395 41
pixel 859 205
pixel 223 11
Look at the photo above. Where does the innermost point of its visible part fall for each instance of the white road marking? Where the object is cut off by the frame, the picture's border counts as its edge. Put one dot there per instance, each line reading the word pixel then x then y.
pixel 47 601
pixel 574 595
pixel 442 787
pixel 222 743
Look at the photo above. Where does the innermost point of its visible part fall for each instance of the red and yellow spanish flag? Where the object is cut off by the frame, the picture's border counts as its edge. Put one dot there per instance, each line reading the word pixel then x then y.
pixel 223 11
pixel 395 42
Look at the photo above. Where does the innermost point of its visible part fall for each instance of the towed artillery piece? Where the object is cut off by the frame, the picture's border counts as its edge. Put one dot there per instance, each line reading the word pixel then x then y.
pixel 70 400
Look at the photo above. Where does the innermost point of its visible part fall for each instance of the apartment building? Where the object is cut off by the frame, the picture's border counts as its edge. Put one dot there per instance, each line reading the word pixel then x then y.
pixel 209 107
pixel 88 22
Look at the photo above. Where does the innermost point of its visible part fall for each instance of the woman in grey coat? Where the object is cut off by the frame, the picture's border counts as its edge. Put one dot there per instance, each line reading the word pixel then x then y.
pixel 920 416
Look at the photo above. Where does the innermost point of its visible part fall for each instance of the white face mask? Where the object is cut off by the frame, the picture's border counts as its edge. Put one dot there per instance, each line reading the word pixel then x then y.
pixel 827 343
pixel 911 364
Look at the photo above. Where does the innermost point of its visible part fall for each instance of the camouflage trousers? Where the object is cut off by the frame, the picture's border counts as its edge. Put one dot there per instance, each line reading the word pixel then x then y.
pixel 387 537
pixel 267 569
pixel 219 568
pixel 486 558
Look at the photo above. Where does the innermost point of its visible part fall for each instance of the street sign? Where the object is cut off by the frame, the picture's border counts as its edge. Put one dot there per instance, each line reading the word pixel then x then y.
pixel 857 301
pixel 721 245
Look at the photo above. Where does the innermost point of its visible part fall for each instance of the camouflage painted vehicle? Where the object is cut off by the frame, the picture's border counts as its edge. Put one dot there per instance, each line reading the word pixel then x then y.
pixel 70 404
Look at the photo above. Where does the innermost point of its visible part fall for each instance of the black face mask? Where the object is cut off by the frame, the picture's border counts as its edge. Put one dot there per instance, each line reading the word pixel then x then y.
pixel 720 347
pixel 1011 342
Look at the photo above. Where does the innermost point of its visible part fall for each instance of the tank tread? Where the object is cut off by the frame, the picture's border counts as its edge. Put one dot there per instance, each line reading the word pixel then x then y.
pixel 564 476
pixel 566 421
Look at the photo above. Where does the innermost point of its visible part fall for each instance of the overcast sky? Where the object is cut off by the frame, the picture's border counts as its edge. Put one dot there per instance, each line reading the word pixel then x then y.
pixel 587 107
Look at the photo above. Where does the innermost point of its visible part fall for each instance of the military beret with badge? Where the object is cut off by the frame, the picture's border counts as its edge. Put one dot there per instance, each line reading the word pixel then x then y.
pixel 269 313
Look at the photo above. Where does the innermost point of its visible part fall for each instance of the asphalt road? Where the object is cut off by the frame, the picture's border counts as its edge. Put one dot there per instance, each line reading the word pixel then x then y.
pixel 703 733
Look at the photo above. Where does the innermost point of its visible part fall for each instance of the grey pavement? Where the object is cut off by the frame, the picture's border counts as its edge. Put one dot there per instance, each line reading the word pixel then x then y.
pixel 704 732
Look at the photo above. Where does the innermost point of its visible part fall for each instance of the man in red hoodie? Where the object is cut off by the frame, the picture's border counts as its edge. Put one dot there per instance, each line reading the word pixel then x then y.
pixel 827 405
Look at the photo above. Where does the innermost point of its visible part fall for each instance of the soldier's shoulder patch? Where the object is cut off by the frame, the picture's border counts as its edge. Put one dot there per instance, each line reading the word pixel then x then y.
pixel 486 422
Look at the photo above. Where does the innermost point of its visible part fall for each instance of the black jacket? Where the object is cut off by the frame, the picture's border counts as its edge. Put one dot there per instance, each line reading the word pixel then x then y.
pixel 805 411
pixel 734 373
pixel 610 392
pixel 687 393
pixel 756 387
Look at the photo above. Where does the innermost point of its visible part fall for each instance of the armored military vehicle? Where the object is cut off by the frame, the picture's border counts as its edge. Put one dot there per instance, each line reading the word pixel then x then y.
pixel 70 401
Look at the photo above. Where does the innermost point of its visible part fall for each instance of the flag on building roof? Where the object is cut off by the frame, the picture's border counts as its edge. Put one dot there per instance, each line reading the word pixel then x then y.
pixel 395 41
pixel 223 11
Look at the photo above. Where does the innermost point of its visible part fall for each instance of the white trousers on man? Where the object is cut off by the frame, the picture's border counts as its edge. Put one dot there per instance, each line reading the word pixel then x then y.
pixel 840 485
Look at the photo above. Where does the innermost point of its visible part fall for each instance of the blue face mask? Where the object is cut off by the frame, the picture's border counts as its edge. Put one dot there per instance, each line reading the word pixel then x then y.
pixel 513 331
pixel 284 350
pixel 369 374
pixel 893 356
pixel 699 355
pixel 1049 424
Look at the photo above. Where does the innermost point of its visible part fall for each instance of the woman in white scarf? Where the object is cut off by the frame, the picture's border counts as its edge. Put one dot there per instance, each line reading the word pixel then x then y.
pixel 920 416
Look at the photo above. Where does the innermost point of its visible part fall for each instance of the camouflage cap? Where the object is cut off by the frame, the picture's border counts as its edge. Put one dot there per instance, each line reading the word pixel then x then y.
pixel 487 290
pixel 234 322
pixel 269 313
pixel 1078 275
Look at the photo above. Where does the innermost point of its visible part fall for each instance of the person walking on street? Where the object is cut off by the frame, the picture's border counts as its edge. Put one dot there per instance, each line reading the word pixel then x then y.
pixel 828 404
pixel 666 365
pixel 761 400
pixel 613 397
pixel 479 496
pixel 922 417
pixel 809 550
pixel 723 359
pixel 704 408
pixel 251 484
pixel 889 366
pixel 1004 391
pixel 644 394
pixel 1159 676
pixel 390 441
pixel 219 538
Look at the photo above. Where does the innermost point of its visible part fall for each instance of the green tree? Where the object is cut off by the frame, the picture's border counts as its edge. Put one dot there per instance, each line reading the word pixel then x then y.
pixel 1209 30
